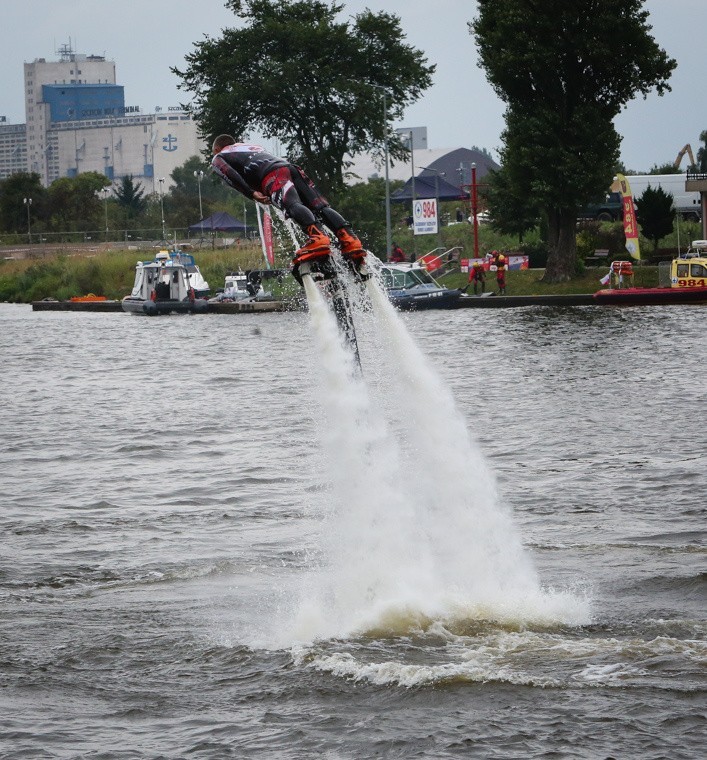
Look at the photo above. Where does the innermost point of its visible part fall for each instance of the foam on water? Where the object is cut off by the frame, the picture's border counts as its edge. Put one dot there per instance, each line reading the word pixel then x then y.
pixel 414 532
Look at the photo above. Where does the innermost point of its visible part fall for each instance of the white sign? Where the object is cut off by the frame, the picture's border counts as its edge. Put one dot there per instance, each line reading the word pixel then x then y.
pixel 424 215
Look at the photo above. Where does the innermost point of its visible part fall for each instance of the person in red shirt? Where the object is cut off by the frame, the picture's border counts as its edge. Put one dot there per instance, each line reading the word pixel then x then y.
pixel 264 178
pixel 397 255
pixel 478 276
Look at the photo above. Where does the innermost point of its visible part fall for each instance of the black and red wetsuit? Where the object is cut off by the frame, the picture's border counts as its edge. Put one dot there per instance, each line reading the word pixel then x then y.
pixel 244 167
pixel 247 168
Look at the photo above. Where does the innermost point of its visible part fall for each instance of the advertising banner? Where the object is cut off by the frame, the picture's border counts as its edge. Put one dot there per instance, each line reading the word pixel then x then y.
pixel 424 215
pixel 630 224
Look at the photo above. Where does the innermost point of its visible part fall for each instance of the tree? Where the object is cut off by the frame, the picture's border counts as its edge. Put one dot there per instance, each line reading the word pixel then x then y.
pixel 555 66
pixel 74 203
pixel 363 203
pixel 13 210
pixel 511 213
pixel 666 168
pixel 702 153
pixel 130 197
pixel 294 72
pixel 655 213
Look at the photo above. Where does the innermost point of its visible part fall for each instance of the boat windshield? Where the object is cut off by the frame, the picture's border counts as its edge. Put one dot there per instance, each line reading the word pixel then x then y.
pixel 398 279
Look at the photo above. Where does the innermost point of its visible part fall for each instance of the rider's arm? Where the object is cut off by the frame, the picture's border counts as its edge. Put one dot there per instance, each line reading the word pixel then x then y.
pixel 230 176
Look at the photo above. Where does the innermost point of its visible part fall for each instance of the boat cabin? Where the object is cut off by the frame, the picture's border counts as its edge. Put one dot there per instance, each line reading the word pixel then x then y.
pixel 405 276
pixel 690 269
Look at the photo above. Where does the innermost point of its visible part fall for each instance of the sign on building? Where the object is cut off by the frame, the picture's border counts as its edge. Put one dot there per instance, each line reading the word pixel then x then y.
pixel 424 215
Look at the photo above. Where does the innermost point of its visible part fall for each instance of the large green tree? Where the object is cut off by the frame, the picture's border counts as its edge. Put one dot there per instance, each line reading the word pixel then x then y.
pixel 565 70
pixel 655 213
pixel 295 72
pixel 15 211
pixel 74 204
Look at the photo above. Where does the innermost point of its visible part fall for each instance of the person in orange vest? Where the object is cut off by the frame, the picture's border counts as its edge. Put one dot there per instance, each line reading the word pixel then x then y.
pixel 478 276
pixel 501 267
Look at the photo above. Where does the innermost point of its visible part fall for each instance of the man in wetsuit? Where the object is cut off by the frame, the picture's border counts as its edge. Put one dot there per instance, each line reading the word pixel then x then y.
pixel 265 178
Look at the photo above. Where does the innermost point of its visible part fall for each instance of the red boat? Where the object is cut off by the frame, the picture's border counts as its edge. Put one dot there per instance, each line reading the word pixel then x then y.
pixel 651 296
pixel 684 282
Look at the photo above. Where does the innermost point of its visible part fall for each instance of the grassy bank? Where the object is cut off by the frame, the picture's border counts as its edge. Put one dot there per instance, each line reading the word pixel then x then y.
pixel 527 282
pixel 111 274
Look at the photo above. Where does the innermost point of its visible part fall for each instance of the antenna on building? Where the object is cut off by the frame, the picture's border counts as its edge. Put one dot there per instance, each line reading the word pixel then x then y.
pixel 65 52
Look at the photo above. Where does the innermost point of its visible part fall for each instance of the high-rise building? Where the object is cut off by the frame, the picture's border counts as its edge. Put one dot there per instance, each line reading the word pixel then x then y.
pixel 13 148
pixel 77 121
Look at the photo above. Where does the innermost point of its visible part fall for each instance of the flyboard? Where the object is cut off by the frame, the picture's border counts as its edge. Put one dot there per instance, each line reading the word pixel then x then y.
pixel 324 272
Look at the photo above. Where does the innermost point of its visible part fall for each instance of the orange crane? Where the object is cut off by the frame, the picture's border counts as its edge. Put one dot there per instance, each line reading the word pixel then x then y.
pixel 685 149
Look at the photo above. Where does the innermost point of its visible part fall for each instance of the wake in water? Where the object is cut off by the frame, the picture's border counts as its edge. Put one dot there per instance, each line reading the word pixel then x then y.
pixel 415 534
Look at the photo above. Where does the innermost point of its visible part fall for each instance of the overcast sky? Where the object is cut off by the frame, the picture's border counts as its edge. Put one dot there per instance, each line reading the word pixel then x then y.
pixel 145 38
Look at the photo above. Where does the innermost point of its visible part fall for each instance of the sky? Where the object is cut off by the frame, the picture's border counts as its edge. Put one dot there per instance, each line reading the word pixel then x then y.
pixel 146 37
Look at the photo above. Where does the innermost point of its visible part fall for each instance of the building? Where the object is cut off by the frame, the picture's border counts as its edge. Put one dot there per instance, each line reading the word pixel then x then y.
pixel 452 164
pixel 13 148
pixel 77 121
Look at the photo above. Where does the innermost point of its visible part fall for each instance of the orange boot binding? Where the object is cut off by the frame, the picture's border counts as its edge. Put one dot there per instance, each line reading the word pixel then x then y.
pixel 350 245
pixel 317 245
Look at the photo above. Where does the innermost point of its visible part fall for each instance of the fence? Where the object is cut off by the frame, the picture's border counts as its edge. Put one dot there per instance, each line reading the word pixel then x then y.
pixel 36 245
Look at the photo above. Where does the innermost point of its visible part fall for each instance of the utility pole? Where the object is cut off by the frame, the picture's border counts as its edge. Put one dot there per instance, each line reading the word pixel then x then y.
pixel 28 203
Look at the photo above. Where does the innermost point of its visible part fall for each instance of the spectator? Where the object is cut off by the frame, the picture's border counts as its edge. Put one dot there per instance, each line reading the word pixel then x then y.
pixel 397 254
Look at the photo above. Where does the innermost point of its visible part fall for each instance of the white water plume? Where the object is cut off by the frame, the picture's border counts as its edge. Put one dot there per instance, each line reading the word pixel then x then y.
pixel 414 532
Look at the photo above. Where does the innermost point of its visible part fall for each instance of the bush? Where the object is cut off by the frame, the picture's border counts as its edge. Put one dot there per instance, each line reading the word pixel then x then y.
pixel 537 254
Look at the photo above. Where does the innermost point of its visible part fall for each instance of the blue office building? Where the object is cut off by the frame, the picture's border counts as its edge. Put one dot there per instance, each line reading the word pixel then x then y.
pixel 76 102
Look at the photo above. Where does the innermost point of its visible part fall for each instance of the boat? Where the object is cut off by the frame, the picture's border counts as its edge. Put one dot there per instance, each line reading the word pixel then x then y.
pixel 411 286
pixel 163 286
pixel 682 280
pixel 241 286
pixel 199 285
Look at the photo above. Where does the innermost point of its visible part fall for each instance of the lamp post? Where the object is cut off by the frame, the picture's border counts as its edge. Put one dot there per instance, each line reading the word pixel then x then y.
pixel 28 203
pixel 475 210
pixel 161 181
pixel 414 195
pixel 199 176
pixel 105 192
pixel 388 230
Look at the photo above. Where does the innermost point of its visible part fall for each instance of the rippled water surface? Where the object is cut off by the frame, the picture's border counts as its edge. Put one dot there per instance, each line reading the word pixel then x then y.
pixel 213 547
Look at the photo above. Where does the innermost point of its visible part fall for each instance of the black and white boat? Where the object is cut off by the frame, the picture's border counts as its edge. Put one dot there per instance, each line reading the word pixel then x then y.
pixel 164 286
pixel 411 286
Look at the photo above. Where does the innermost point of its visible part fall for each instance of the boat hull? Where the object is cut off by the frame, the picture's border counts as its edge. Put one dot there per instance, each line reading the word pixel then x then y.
pixel 147 307
pixel 444 298
pixel 651 296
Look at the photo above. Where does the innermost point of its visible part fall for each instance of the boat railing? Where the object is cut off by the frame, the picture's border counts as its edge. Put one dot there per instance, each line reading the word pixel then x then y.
pixel 445 262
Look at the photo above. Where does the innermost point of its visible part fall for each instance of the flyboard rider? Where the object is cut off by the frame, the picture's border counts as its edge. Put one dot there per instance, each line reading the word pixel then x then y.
pixel 265 178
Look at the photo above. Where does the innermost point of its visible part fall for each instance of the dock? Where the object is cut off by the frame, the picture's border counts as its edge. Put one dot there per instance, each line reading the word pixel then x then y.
pixel 262 307
pixel 234 307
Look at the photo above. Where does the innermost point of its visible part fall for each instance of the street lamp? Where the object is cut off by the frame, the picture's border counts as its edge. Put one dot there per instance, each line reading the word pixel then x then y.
pixel 161 181
pixel 475 210
pixel 105 192
pixel 199 176
pixel 388 232
pixel 28 203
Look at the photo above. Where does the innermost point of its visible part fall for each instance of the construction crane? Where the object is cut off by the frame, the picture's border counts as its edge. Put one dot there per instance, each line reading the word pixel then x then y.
pixel 685 149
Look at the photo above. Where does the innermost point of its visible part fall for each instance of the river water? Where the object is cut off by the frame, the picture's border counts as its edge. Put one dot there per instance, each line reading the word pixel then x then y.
pixel 219 541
